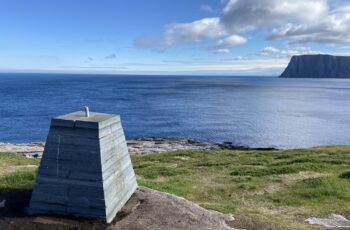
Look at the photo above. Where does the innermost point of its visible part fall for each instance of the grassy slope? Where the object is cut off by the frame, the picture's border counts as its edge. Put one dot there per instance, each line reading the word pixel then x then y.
pixel 283 187
pixel 280 187
pixel 16 171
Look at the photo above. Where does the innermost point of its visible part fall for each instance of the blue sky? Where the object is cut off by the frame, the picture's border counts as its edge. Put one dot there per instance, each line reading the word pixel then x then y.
pixel 237 37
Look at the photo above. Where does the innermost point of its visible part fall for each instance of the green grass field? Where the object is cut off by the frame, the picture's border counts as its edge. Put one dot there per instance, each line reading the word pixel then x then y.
pixel 276 189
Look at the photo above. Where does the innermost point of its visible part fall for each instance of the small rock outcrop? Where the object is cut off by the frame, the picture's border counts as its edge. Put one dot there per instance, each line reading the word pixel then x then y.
pixel 146 209
pixel 318 66
pixel 332 221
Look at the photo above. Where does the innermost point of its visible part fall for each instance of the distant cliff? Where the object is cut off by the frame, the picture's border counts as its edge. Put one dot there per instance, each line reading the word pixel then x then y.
pixel 318 66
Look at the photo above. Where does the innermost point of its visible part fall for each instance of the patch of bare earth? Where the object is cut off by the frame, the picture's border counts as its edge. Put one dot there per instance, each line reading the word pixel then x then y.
pixel 287 179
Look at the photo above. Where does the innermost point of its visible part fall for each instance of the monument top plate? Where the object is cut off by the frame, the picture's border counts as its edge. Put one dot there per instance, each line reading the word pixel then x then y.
pixel 80 120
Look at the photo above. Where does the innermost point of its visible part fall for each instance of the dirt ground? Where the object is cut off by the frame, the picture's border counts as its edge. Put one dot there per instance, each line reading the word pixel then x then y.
pixel 146 209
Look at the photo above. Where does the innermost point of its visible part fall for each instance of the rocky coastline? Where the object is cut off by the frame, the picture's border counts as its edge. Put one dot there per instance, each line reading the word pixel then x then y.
pixel 139 146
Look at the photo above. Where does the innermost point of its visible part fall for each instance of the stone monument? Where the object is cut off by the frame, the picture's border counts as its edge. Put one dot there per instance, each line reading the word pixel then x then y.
pixel 85 169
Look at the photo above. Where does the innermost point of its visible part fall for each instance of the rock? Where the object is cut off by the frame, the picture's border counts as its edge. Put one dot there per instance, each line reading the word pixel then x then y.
pixel 146 209
pixel 332 221
pixel 150 209
pixel 23 166
pixel 149 145
pixel 139 146
pixel 318 66
pixel 30 150
pixel 2 204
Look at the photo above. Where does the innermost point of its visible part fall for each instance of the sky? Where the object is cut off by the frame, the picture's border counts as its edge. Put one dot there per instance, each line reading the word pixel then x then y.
pixel 207 37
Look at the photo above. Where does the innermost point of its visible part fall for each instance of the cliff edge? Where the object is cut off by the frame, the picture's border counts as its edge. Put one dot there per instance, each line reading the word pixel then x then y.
pixel 318 66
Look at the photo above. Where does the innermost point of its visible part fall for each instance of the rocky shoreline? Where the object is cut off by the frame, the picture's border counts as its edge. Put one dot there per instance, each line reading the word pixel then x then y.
pixel 139 146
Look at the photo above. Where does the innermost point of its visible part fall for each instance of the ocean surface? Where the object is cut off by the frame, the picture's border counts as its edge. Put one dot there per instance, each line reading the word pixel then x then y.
pixel 249 111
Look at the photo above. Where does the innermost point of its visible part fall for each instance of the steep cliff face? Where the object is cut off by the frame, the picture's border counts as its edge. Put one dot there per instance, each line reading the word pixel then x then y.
pixel 318 66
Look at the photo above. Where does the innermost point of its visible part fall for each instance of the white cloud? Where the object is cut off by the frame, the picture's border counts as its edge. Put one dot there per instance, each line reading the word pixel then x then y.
pixel 286 51
pixel 334 28
pixel 224 45
pixel 222 51
pixel 243 15
pixel 239 58
pixel 318 21
pixel 88 59
pixel 176 33
pixel 111 56
pixel 206 8
pixel 294 21
pixel 194 31
pixel 269 50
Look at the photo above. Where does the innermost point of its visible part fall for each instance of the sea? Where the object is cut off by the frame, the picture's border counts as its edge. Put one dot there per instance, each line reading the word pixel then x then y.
pixel 247 111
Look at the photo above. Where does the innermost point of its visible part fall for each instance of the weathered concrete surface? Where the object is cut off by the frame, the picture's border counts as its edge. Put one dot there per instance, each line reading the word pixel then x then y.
pixel 332 221
pixel 146 209
pixel 86 169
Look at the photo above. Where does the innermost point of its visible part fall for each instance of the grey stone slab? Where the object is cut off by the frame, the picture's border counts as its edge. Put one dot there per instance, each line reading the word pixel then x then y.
pixel 49 208
pixel 54 173
pixel 87 202
pixel 110 130
pixel 54 189
pixel 111 140
pixel 119 174
pixel 85 176
pixel 87 212
pixel 118 182
pixel 54 154
pixel 82 166
pixel 52 149
pixel 113 210
pixel 86 169
pixel 86 191
pixel 114 160
pixel 91 143
pixel 94 117
pixel 123 167
pixel 115 190
pixel 52 163
pixel 73 131
pixel 44 211
pixel 113 152
pixel 116 198
pixel 62 123
pixel 69 181
pixel 49 198
pixel 97 125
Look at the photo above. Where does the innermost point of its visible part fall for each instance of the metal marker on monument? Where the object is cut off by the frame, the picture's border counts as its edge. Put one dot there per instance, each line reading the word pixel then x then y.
pixel 85 169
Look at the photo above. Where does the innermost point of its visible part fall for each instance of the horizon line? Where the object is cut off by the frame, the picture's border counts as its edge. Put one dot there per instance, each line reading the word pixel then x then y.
pixel 143 74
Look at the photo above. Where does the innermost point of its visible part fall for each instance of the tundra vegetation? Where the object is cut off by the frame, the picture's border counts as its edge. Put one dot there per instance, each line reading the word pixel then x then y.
pixel 263 189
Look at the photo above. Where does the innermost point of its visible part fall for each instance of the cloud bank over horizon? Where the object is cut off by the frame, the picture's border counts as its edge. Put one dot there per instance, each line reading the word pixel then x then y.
pixel 232 37
pixel 296 22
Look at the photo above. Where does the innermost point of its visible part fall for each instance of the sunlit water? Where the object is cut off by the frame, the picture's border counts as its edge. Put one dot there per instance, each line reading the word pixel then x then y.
pixel 249 111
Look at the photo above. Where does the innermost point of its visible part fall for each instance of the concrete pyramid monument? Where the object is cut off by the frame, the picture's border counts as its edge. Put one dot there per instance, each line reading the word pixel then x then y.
pixel 86 168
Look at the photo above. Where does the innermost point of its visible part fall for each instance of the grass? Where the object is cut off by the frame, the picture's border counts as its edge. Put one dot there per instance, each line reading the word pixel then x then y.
pixel 13 171
pixel 263 189
pixel 345 175
pixel 282 188
pixel 18 180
